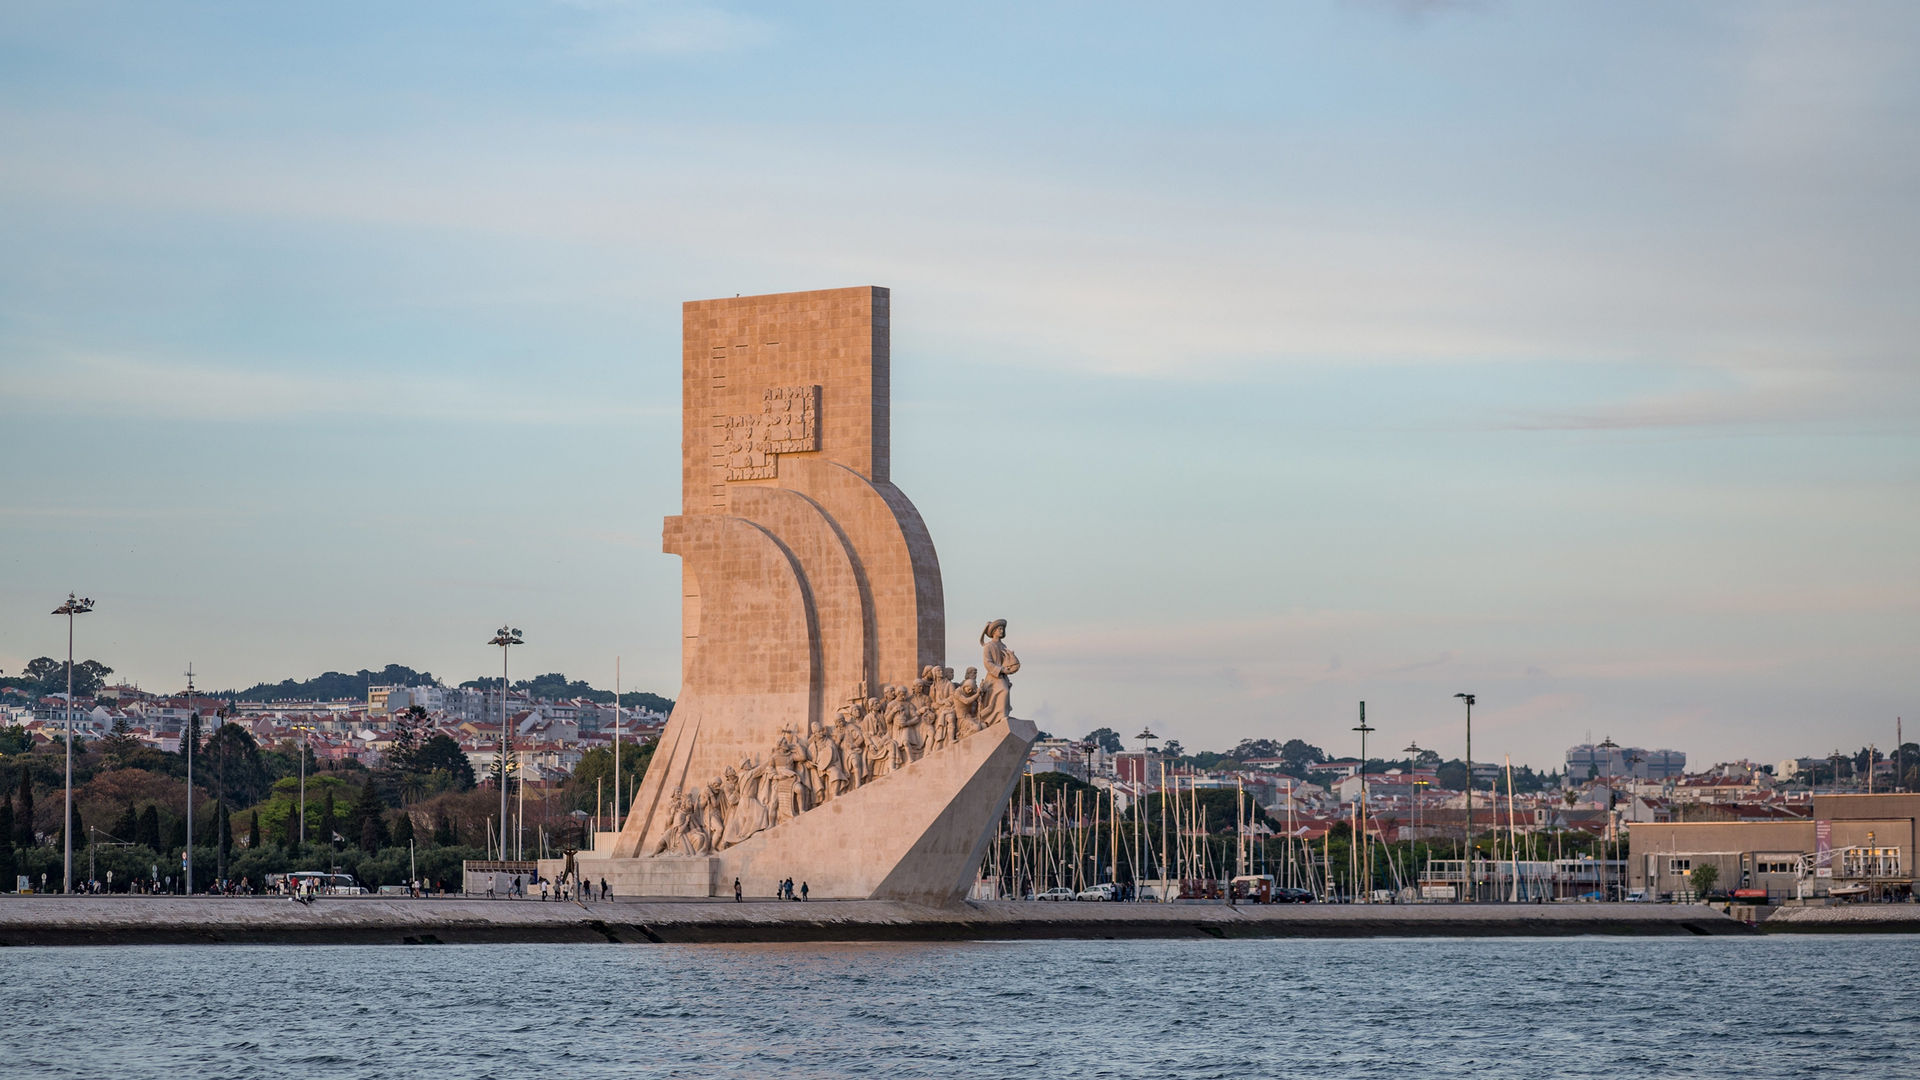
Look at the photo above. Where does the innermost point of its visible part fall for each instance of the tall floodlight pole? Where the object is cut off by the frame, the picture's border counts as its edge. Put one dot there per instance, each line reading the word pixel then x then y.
pixel 1473 883
pixel 1366 858
pixel 1413 800
pixel 1147 739
pixel 1606 870
pixel 74 606
pixel 190 730
pixel 617 821
pixel 504 638
pixel 306 748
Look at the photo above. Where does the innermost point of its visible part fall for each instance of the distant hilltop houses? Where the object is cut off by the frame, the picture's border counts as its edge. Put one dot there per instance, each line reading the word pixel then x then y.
pixel 1605 789
pixel 550 734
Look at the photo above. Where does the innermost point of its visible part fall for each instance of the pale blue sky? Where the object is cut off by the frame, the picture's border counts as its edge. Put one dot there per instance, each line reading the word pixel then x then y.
pixel 1252 360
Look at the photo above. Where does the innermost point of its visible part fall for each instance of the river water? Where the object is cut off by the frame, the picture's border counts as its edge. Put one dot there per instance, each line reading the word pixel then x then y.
pixel 1567 1007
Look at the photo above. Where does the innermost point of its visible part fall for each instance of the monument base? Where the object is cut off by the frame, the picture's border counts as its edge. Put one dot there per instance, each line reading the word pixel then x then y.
pixel 916 834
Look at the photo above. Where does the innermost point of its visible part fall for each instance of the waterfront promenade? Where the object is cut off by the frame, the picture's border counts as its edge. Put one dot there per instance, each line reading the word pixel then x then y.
pixel 100 920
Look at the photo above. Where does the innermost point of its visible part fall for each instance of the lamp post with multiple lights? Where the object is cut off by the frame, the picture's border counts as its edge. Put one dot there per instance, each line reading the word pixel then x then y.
pixel 505 637
pixel 74 606
pixel 306 749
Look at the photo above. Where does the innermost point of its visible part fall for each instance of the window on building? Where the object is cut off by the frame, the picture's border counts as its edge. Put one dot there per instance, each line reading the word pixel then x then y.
pixel 1776 864
pixel 1680 866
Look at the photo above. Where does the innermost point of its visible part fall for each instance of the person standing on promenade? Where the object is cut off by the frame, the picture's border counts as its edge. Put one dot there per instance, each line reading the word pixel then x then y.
pixel 803 890
pixel 736 890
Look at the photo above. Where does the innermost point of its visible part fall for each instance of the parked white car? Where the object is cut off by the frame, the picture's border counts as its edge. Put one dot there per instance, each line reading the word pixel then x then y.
pixel 1096 892
pixel 1056 894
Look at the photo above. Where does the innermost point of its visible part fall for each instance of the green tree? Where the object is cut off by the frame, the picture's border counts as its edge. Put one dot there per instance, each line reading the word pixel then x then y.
pixel 1703 878
pixel 326 831
pixel 127 825
pixel 119 745
pixel 1106 739
pixel 253 832
pixel 441 760
pixel 23 815
pixel 403 830
pixel 14 739
pixel 443 830
pixel 593 777
pixel 8 866
pixel 148 832
pixel 367 822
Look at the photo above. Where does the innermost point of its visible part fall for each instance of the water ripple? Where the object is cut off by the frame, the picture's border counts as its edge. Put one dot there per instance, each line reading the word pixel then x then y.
pixel 1577 1008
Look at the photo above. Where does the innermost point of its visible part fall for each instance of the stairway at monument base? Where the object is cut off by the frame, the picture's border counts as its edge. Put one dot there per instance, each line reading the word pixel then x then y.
pixel 915 834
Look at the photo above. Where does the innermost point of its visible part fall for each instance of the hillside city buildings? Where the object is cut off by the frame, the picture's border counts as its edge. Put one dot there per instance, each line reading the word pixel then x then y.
pixel 1770 833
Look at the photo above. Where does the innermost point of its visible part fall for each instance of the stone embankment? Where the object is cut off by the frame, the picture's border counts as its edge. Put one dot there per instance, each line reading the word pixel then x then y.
pixel 1845 919
pixel 384 920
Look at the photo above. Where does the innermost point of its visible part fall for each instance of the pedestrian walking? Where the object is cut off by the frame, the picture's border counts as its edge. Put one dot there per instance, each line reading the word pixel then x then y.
pixel 803 890
pixel 736 890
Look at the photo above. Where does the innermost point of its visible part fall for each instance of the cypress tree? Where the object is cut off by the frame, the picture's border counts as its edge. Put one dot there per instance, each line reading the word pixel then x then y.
pixel 443 831
pixel 253 832
pixel 368 821
pixel 127 827
pixel 326 818
pixel 79 829
pixel 225 825
pixel 148 832
pixel 403 830
pixel 23 816
pixel 8 868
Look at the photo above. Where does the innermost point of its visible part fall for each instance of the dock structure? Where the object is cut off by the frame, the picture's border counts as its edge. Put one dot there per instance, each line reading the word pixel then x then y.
pixel 398 920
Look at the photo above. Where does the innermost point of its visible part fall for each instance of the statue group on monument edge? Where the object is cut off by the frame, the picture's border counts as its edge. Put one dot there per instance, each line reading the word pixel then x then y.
pixel 869 738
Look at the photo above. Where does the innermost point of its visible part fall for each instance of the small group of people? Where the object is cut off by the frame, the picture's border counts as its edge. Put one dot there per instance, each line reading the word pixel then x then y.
pixel 572 887
pixel 786 890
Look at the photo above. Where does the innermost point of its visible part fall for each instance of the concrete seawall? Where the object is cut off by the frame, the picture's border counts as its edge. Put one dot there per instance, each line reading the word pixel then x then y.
pixel 1845 919
pixel 383 920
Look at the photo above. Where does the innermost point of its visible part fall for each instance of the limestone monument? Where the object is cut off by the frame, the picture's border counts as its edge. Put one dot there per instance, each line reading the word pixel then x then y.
pixel 818 735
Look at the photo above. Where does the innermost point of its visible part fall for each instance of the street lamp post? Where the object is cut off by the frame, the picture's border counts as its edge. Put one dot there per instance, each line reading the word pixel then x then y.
pixel 1366 836
pixel 1413 808
pixel 1473 882
pixel 190 734
pixel 74 606
pixel 1606 870
pixel 1147 739
pixel 306 749
pixel 504 638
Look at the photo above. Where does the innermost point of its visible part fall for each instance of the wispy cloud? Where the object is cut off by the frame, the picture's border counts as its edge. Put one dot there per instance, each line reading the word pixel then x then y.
pixel 123 385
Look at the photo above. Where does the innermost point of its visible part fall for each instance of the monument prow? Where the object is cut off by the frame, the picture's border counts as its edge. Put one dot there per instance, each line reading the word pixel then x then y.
pixel 818 734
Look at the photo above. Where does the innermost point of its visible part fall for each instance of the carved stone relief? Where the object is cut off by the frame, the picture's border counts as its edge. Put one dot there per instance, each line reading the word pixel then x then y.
pixel 788 423
pixel 868 738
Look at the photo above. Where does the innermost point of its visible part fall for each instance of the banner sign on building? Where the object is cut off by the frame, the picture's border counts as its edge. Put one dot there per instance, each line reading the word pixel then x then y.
pixel 1823 849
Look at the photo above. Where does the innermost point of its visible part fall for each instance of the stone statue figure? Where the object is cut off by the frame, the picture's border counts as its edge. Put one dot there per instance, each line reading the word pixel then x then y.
pixel 853 746
pixel 693 834
pixel 996 704
pixel 904 725
pixel 750 814
pixel 784 774
pixel 879 739
pixel 946 709
pixel 676 830
pixel 829 776
pixel 966 700
pixel 715 818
